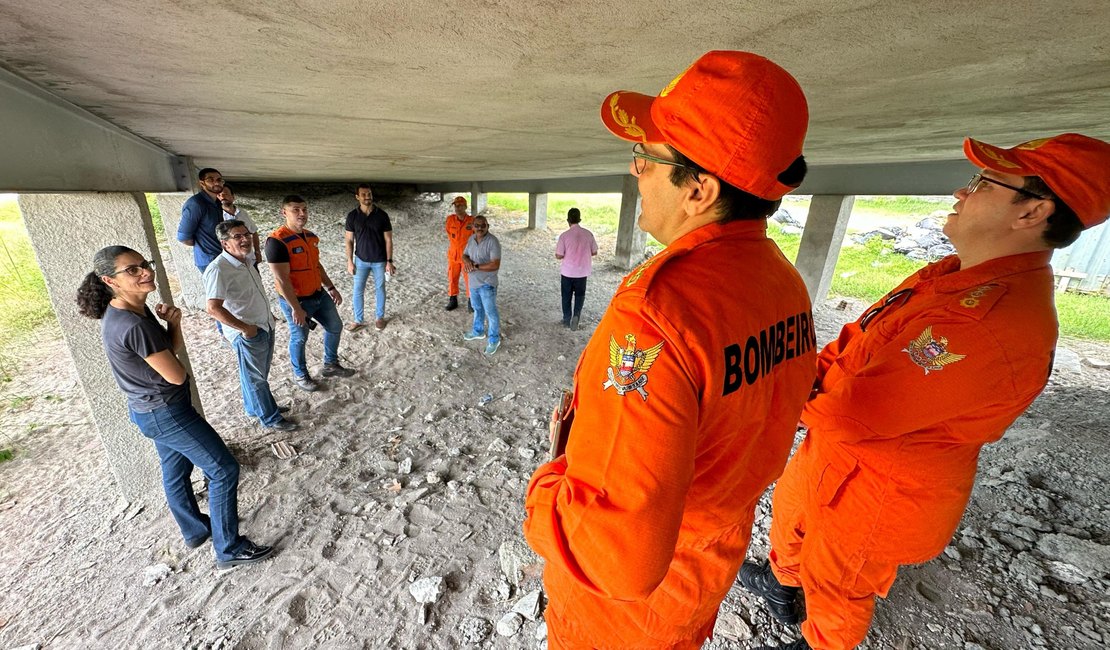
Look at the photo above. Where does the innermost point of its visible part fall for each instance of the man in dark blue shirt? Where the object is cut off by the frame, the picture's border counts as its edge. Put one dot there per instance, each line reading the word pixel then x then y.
pixel 199 217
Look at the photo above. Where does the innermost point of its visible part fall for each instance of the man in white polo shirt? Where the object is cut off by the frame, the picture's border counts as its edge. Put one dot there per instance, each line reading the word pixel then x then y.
pixel 236 299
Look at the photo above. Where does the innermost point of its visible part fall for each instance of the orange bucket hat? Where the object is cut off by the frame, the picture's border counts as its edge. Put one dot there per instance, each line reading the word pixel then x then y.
pixel 737 114
pixel 1075 167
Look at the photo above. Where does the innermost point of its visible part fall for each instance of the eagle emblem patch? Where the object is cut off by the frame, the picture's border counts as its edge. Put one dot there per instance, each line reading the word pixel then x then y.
pixel 931 353
pixel 628 366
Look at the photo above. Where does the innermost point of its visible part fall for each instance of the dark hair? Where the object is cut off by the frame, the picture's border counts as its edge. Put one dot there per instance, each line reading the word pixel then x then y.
pixel 206 171
pixel 1063 225
pixel 364 186
pixel 734 204
pixel 224 228
pixel 574 215
pixel 228 188
pixel 93 295
pixel 292 198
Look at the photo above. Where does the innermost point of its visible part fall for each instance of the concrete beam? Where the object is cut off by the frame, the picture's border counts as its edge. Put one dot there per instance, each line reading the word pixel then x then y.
pixel 181 256
pixel 66 230
pixel 630 239
pixel 821 240
pixel 537 210
pixel 50 145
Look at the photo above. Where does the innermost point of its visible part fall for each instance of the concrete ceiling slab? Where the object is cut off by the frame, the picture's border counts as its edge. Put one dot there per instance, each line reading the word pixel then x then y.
pixel 475 90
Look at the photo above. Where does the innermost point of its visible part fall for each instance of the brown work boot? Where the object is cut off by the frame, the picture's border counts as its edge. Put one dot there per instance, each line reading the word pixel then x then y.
pixel 379 324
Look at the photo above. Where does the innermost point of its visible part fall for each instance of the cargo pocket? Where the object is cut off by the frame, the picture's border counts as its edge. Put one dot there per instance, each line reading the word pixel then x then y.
pixel 833 478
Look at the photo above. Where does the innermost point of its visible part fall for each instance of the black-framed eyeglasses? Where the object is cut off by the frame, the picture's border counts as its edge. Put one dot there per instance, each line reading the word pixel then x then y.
pixel 640 158
pixel 902 295
pixel 135 270
pixel 977 181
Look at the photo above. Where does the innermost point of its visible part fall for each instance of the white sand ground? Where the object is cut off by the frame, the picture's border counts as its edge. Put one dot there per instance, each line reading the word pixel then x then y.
pixel 353 529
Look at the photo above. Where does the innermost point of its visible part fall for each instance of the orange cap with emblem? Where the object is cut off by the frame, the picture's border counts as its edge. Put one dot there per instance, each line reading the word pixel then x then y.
pixel 737 114
pixel 459 201
pixel 1075 167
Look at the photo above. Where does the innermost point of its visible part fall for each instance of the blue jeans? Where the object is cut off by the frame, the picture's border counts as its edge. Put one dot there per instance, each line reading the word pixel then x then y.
pixel 484 301
pixel 577 288
pixel 184 439
pixel 321 308
pixel 255 356
pixel 362 272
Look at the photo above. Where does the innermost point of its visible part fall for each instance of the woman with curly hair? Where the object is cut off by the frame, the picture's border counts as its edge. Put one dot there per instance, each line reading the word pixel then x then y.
pixel 142 356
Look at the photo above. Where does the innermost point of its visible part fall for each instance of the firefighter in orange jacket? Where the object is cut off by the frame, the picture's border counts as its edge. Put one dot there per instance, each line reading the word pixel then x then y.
pixel 909 393
pixel 686 398
pixel 459 227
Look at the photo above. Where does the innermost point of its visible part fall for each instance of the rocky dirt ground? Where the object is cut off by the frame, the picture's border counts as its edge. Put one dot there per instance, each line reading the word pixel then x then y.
pixel 409 483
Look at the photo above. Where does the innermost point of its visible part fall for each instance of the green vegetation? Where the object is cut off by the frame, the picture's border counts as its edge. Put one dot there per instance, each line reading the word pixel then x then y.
pixel 6 455
pixel 156 219
pixel 24 304
pixel 865 272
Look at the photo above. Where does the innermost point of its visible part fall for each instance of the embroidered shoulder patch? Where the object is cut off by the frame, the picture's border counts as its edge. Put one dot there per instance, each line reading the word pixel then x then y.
pixel 628 366
pixel 931 353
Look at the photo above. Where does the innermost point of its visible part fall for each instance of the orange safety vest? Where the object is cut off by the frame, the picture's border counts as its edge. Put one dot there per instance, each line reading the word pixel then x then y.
pixel 458 232
pixel 304 260
pixel 686 402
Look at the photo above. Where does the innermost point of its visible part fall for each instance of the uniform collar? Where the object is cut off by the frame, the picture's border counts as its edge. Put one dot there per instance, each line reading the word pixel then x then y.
pixel 948 277
pixel 738 229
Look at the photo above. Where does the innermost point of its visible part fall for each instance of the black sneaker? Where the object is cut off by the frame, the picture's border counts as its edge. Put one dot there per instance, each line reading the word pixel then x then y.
pixel 197 543
pixel 469 307
pixel 281 425
pixel 249 554
pixel 306 383
pixel 452 303
pixel 800 644
pixel 335 370
pixel 284 409
pixel 782 602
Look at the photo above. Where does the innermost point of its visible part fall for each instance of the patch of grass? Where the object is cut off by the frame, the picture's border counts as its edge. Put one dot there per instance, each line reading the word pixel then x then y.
pixel 24 303
pixel 903 205
pixel 156 219
pixel 6 455
pixel 600 212
pixel 1084 315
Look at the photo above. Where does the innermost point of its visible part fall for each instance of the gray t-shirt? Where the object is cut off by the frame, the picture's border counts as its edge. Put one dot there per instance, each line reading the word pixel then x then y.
pixel 128 340
pixel 481 252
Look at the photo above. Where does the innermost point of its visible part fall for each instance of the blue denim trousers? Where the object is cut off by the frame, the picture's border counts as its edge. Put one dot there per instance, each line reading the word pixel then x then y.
pixel 321 308
pixel 184 439
pixel 255 356
pixel 577 288
pixel 484 301
pixel 362 272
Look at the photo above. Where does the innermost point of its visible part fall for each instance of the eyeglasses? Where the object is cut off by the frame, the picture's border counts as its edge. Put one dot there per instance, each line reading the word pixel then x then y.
pixel 237 237
pixel 640 158
pixel 977 181
pixel 483 226
pixel 135 270
pixel 902 295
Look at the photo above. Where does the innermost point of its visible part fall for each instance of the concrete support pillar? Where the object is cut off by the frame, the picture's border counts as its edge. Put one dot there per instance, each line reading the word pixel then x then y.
pixel 66 230
pixel 630 239
pixel 824 234
pixel 181 256
pixel 478 199
pixel 537 211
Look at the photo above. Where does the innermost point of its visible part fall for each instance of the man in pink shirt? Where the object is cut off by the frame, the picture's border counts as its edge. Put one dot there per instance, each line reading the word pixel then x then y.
pixel 575 248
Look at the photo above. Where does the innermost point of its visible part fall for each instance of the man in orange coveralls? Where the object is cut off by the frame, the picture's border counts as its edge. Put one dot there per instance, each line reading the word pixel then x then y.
pixel 686 398
pixel 910 392
pixel 459 228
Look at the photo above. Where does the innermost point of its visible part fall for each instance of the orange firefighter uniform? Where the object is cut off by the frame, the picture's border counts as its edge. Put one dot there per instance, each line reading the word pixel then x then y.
pixel 458 232
pixel 906 397
pixel 686 400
